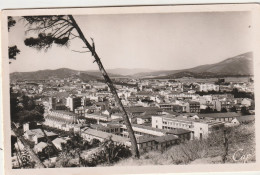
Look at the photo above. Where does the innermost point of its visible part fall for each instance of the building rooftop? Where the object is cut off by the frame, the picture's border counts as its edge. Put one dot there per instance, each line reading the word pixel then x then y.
pixel 166 138
pixel 176 131
pixel 58 141
pixel 143 139
pixel 189 120
pixel 219 115
pixel 40 145
pixel 246 118
pixel 160 139
pixel 137 109
pixel 105 135
pixel 101 127
pixel 64 112
pixel 39 133
pixel 194 102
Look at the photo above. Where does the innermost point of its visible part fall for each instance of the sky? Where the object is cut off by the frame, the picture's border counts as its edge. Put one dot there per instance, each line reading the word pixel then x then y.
pixel 169 41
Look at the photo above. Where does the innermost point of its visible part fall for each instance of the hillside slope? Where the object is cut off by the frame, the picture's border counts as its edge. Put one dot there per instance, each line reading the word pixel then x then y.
pixel 240 65
pixel 237 65
pixel 48 74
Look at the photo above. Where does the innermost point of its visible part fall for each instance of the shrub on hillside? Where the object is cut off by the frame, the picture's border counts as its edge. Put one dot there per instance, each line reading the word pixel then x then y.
pixel 241 146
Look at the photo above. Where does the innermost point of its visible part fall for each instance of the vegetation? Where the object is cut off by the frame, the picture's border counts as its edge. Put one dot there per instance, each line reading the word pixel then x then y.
pixel 96 153
pixel 235 92
pixel 245 111
pixel 208 110
pixel 60 30
pixel 24 110
pixel 241 148
pixel 12 50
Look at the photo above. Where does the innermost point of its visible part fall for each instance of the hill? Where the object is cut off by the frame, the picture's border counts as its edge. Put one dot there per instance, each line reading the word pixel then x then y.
pixel 237 65
pixel 58 73
pixel 127 71
pixel 240 65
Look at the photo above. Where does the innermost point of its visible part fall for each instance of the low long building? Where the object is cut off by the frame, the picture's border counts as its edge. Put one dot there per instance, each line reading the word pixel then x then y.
pixel 199 128
pixel 62 120
pixel 142 130
pixel 144 142
pixel 224 117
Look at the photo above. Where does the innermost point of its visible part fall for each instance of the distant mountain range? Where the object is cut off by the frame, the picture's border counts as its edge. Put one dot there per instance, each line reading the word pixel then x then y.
pixel 240 65
pixel 48 74
pixel 119 72
pixel 127 71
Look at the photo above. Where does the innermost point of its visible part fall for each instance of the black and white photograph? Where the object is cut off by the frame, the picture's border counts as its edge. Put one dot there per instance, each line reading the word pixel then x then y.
pixel 130 87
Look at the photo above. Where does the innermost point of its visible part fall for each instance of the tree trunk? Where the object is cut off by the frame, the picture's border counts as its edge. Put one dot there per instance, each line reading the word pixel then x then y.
pixel 35 158
pixel 134 148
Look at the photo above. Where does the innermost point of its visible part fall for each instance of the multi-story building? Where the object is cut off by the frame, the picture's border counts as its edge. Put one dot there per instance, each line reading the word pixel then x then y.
pixel 52 103
pixel 73 102
pixel 165 106
pixel 194 106
pixel 199 128
pixel 62 119
pixel 208 87
pixel 142 130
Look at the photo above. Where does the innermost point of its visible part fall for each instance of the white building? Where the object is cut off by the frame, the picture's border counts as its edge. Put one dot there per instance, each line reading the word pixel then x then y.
pixel 200 128
pixel 208 87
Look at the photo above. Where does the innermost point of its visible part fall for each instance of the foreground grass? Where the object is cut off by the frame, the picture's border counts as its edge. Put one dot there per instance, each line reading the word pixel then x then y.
pixel 241 141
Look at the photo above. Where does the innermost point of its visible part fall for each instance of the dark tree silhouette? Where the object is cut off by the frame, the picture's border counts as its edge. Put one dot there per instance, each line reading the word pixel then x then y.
pixel 245 111
pixel 60 30
pixel 28 113
pixel 20 116
pixel 223 110
pixel 12 50
pixel 11 22
pixel 233 109
pixel 207 110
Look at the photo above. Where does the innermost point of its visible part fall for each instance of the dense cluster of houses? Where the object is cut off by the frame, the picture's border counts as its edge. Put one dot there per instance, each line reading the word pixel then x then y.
pixel 163 113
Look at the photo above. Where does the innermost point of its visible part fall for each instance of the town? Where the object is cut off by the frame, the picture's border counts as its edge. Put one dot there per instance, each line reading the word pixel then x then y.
pixel 163 112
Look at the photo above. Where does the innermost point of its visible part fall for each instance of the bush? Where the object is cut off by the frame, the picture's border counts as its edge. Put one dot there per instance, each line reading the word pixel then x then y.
pixel 188 151
pixel 108 153
pixel 241 141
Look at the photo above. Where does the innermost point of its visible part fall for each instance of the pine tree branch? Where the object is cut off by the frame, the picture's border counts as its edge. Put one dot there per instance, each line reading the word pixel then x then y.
pixel 65 33
pixel 80 51
pixel 60 30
